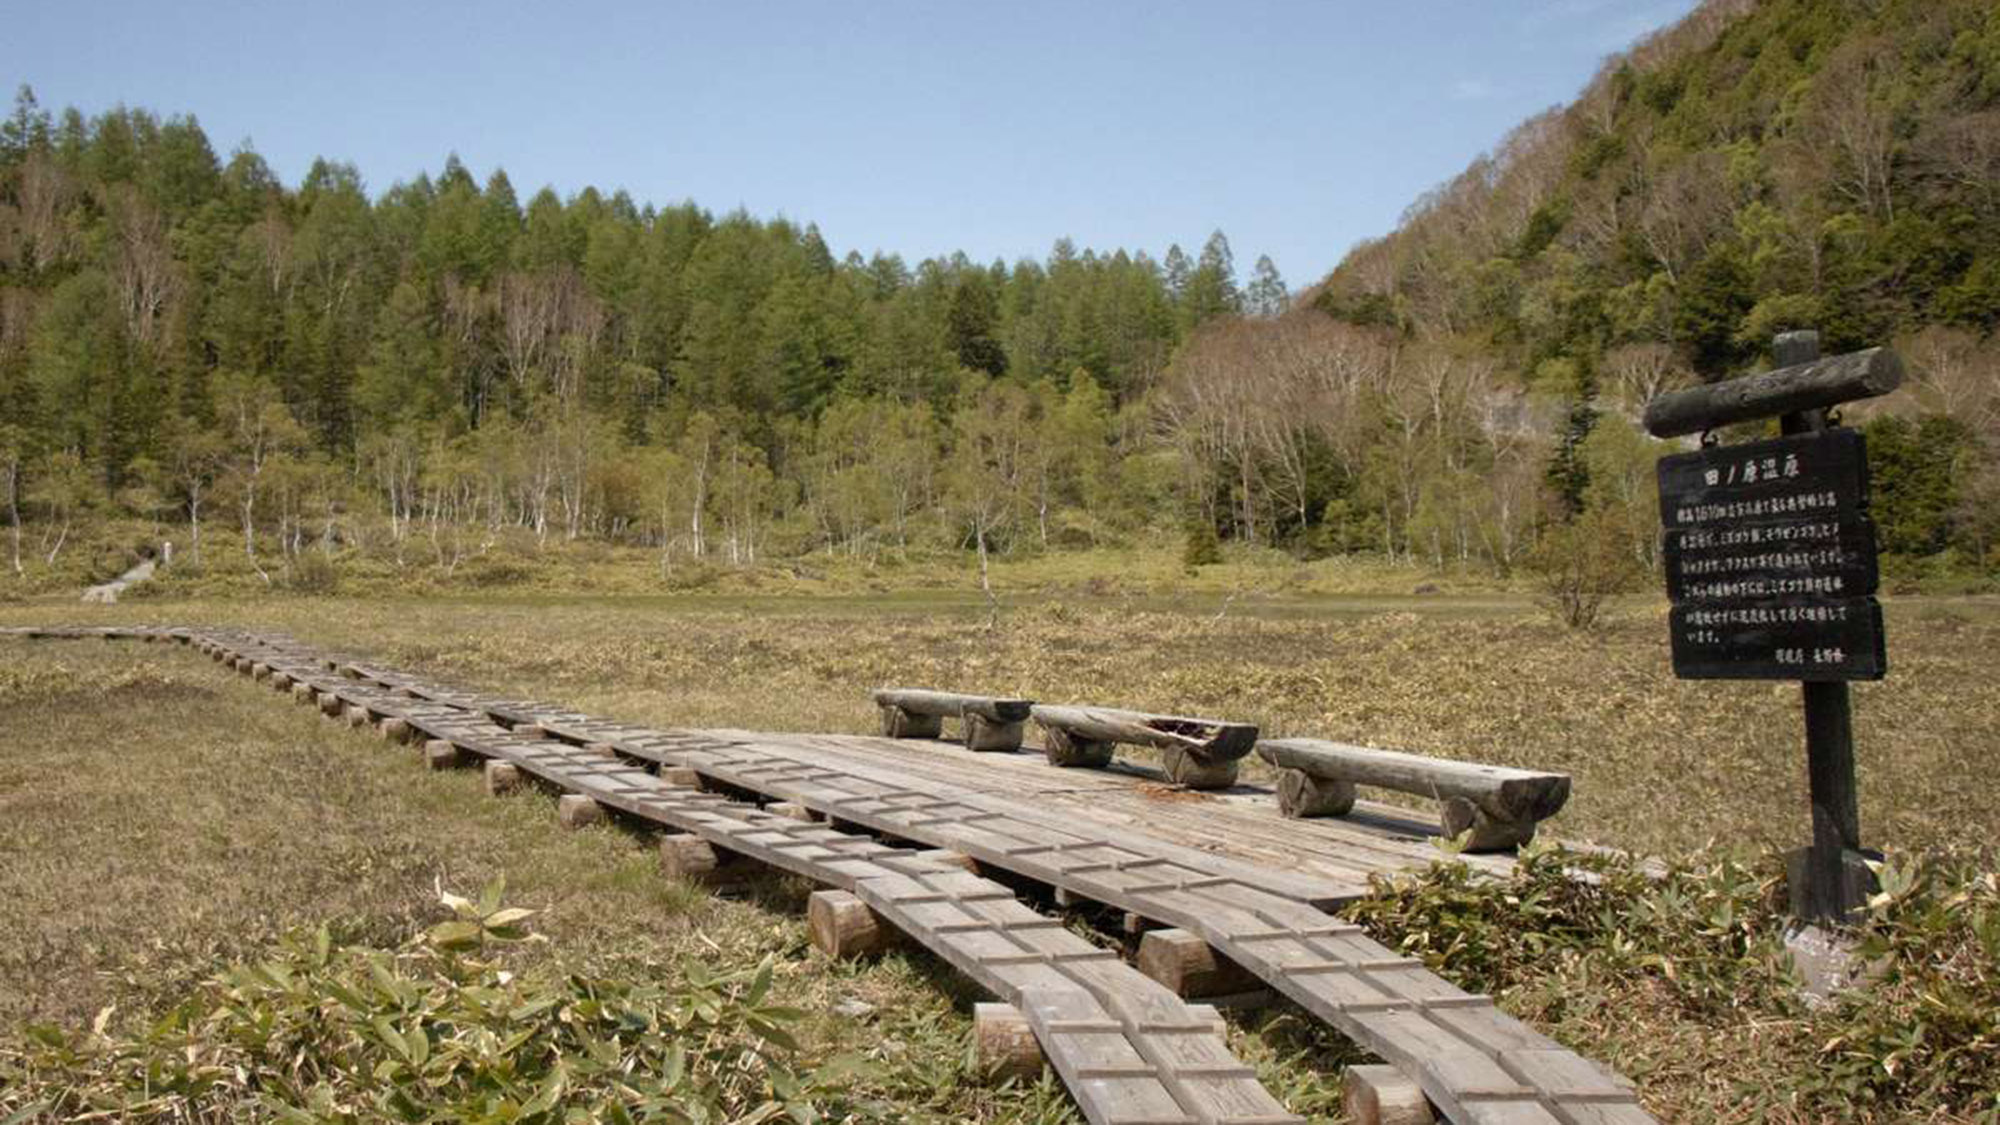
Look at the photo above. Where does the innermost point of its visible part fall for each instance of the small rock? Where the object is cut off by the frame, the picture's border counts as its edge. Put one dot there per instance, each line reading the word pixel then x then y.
pixel 1827 962
pixel 854 1009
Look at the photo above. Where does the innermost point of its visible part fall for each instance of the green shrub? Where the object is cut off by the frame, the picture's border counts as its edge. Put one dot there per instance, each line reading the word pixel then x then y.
pixel 490 573
pixel 1203 548
pixel 1926 1029
pixel 312 572
pixel 432 1031
pixel 1701 943
pixel 1580 564
pixel 1708 932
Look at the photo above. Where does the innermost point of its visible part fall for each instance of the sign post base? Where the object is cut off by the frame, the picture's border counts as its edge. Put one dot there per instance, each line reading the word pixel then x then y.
pixel 1857 883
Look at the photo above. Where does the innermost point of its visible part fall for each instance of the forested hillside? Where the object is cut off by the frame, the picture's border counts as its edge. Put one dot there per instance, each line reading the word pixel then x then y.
pixel 1832 164
pixel 322 369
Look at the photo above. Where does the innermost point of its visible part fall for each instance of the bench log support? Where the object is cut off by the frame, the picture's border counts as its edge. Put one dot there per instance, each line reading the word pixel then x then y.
pixel 1301 795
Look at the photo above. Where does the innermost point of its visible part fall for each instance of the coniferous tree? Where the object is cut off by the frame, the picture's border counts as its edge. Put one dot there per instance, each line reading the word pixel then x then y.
pixel 1211 288
pixel 1178 269
pixel 1266 295
pixel 971 323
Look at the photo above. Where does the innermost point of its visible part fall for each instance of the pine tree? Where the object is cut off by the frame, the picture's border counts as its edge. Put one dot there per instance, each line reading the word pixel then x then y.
pixel 1568 472
pixel 27 129
pixel 819 260
pixel 1177 270
pixel 970 323
pixel 1211 289
pixel 1267 295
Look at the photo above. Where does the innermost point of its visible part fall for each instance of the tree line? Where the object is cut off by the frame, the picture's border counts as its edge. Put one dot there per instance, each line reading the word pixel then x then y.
pixel 421 372
pixel 184 336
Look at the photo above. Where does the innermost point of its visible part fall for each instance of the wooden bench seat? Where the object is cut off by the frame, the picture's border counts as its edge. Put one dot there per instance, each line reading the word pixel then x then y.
pixel 1498 804
pixel 991 723
pixel 1197 753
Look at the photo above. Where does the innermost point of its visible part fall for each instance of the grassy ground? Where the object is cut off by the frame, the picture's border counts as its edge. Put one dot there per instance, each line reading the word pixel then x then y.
pixel 1660 764
pixel 158 815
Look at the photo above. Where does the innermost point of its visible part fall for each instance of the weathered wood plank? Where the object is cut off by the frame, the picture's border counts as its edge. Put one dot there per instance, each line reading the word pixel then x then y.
pixel 953 705
pixel 1805 386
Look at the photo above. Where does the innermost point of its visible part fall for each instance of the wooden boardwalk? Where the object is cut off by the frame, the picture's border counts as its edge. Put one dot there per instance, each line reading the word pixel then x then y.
pixel 1252 886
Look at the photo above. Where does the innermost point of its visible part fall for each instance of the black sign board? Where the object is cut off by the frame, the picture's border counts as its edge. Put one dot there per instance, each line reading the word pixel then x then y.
pixel 1779 639
pixel 1770 560
pixel 1829 557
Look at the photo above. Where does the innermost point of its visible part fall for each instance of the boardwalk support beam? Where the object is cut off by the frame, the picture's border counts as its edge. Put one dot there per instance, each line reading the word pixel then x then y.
pixel 575 811
pixel 1191 967
pixel 844 928
pixel 1003 1045
pixel 502 778
pixel 692 859
pixel 1382 1095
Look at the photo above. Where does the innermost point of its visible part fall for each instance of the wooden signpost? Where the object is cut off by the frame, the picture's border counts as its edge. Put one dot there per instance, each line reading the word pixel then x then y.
pixel 1771 568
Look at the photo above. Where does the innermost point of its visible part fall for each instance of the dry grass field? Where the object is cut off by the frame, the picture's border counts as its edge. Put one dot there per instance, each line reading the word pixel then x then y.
pixel 159 816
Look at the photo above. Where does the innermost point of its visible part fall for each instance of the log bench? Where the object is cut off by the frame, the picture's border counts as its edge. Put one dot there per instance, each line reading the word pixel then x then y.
pixel 1498 804
pixel 990 723
pixel 1197 753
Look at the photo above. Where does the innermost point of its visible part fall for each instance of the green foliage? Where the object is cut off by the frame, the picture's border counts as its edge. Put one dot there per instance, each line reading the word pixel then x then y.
pixel 1925 1031
pixel 722 388
pixel 1702 938
pixel 314 573
pixel 1703 933
pixel 436 1029
pixel 1713 304
pixel 1203 547
pixel 1568 472
pixel 1579 564
pixel 454 361
pixel 1750 169
pixel 1914 470
pixel 1543 227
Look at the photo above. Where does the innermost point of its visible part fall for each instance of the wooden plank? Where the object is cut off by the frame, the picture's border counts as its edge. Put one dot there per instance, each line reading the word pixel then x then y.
pixel 1033 821
pixel 1813 385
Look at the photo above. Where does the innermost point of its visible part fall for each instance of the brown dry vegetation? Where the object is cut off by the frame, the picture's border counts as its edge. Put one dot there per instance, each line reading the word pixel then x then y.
pixel 159 816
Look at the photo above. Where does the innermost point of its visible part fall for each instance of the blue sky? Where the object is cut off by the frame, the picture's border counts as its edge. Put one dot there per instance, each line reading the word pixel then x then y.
pixel 1296 127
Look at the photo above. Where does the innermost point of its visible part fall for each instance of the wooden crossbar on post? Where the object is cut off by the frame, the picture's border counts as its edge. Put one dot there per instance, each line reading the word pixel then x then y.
pixel 1795 388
